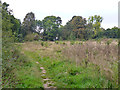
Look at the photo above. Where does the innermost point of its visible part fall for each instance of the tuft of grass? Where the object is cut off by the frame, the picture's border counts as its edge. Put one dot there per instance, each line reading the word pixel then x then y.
pixel 45 44
pixel 72 42
pixel 109 42
pixel 42 43
pixel 64 43
pixel 57 42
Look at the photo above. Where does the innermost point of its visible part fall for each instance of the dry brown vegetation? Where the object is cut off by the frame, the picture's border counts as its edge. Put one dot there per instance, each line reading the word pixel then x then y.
pixel 103 53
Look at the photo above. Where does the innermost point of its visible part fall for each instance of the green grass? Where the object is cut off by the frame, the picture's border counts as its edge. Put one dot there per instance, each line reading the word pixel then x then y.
pixel 65 74
pixel 23 72
pixel 30 75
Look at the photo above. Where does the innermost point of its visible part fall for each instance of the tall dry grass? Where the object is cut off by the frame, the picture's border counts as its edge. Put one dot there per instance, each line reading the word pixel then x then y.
pixel 102 53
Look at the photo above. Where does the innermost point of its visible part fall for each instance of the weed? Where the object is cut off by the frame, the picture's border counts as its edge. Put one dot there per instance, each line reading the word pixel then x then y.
pixel 108 42
pixel 72 42
pixel 46 44
pixel 64 43
pixel 42 43
pixel 56 42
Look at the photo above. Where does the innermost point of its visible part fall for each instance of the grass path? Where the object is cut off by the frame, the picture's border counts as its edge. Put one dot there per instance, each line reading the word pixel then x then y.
pixel 47 83
pixel 34 75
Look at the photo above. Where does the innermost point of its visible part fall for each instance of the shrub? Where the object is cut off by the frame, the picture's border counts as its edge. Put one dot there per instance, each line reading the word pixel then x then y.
pixel 64 43
pixel 109 42
pixel 81 43
pixel 72 42
pixel 42 43
pixel 46 44
pixel 31 37
pixel 56 42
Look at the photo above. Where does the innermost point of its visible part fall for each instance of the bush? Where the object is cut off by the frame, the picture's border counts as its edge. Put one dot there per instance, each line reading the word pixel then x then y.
pixel 72 42
pixel 42 43
pixel 45 44
pixel 12 60
pixel 31 37
pixel 109 42
pixel 64 43
pixel 56 42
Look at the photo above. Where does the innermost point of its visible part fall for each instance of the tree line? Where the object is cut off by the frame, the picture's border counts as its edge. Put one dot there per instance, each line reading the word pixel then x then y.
pixel 51 28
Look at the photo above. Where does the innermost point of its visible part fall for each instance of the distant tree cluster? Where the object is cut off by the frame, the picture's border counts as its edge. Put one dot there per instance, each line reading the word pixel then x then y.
pixel 51 28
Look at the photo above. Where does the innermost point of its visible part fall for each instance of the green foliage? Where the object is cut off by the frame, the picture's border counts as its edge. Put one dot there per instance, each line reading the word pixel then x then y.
pixel 96 23
pixel 109 41
pixel 28 25
pixel 81 43
pixel 78 23
pixel 10 24
pixel 57 42
pixel 51 26
pixel 45 44
pixel 38 25
pixel 72 42
pixel 31 37
pixel 12 61
pixel 42 43
pixel 111 33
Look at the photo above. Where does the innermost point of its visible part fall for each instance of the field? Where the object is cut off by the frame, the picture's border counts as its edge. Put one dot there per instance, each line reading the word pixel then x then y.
pixel 68 64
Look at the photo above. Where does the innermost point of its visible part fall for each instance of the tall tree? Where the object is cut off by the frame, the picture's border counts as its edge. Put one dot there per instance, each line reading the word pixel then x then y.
pixel 96 21
pixel 29 23
pixel 79 24
pixel 75 28
pixel 51 25
pixel 6 25
pixel 66 32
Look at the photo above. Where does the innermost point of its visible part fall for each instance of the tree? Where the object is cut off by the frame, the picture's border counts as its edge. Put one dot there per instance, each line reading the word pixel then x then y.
pixel 66 32
pixel 39 26
pixel 79 25
pixel 112 33
pixel 7 35
pixel 51 25
pixel 96 21
pixel 75 28
pixel 28 24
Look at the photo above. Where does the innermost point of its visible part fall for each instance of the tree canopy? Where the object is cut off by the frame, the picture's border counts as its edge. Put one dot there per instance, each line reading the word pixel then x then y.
pixel 51 25
pixel 51 28
pixel 29 23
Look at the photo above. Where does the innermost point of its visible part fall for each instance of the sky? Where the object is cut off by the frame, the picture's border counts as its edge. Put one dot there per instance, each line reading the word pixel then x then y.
pixel 66 9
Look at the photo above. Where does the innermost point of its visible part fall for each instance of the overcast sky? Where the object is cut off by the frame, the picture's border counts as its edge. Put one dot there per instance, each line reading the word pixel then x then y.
pixel 66 9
